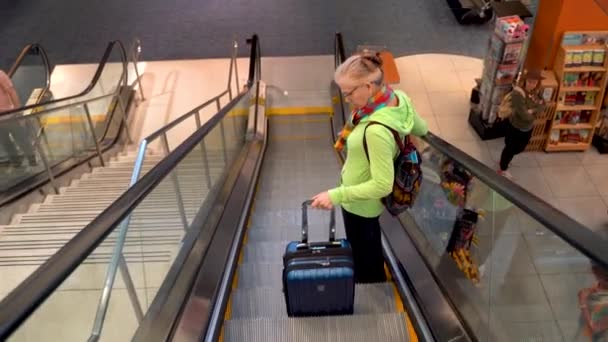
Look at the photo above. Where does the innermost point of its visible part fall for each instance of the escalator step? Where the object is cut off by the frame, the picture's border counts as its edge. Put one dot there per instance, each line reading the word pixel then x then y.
pixel 260 275
pixel 269 302
pixel 264 252
pixel 388 327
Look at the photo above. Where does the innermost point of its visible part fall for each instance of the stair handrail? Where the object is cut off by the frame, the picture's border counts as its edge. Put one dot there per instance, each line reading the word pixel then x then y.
pixel 34 47
pixel 118 260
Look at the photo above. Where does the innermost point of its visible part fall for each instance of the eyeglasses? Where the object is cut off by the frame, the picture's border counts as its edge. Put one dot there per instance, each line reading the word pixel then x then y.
pixel 348 94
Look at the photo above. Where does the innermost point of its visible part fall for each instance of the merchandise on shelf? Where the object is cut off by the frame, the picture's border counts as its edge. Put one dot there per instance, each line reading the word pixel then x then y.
pixel 583 79
pixel 511 29
pixel 501 64
pixel 573 117
pixel 506 74
pixel 585 38
pixel 598 57
pixel 579 98
pixel 570 136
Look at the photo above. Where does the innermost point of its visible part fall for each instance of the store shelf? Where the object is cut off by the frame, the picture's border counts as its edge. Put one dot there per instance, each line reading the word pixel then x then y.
pixel 572 126
pixel 585 69
pixel 584 47
pixel 567 147
pixel 563 108
pixel 571 89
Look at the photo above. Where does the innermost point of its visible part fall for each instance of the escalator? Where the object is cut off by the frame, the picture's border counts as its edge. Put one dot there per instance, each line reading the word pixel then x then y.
pixel 297 162
pixel 47 136
pixel 220 280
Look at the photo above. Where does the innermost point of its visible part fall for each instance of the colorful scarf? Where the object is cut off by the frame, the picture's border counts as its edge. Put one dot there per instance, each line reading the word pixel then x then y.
pixel 376 102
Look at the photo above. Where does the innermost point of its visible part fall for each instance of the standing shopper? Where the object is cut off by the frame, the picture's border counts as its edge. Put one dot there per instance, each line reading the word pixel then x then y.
pixel 525 105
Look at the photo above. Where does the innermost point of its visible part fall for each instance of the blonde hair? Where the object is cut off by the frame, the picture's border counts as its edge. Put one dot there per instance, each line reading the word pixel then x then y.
pixel 365 67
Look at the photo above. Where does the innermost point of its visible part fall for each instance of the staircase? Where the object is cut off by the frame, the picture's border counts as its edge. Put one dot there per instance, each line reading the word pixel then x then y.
pixel 155 231
pixel 294 168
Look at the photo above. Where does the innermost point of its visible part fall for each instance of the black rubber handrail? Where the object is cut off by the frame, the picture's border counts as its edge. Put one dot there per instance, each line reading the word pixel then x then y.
pixel 572 232
pixel 19 304
pixel 104 60
pixel 38 49
pixel 575 234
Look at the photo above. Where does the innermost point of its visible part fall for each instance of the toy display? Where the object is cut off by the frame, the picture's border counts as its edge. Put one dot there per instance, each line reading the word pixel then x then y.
pixel 502 64
pixel 511 29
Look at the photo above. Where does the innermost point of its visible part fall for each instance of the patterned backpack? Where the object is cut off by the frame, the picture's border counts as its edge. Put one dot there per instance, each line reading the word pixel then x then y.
pixel 408 173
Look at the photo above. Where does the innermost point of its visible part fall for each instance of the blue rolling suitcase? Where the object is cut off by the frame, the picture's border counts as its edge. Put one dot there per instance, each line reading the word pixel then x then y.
pixel 318 277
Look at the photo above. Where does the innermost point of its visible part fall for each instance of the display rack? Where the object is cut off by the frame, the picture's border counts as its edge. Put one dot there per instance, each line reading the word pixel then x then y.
pixel 582 68
pixel 548 91
pixel 501 67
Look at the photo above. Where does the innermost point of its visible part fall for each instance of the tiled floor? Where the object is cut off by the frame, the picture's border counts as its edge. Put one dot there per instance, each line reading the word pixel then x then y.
pixel 440 85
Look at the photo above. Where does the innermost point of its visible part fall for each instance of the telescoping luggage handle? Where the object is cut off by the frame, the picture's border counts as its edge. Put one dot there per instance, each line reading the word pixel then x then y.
pixel 332 222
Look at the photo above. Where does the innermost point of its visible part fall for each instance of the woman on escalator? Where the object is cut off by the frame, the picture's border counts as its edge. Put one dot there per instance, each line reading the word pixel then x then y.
pixel 364 183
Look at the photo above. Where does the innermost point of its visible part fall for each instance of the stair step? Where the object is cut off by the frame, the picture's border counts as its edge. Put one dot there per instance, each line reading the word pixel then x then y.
pixel 270 302
pixel 387 327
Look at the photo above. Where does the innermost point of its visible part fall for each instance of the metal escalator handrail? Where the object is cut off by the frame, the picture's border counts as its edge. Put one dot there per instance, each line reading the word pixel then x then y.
pixel 45 60
pixel 92 84
pixel 116 262
pixel 58 108
pixel 180 119
pixel 19 304
pixel 339 55
pixel 574 233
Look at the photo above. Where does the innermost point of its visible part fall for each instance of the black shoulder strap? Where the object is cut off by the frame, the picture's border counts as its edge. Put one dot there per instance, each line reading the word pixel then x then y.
pixel 395 135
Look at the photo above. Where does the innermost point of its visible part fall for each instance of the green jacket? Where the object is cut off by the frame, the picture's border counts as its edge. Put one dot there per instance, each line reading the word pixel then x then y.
pixel 364 183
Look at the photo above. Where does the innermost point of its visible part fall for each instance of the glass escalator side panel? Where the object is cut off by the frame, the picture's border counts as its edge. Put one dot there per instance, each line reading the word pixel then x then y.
pixel 153 236
pixel 510 277
pixel 32 142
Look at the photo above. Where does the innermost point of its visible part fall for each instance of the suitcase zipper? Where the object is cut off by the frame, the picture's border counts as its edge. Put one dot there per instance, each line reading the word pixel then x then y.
pixel 323 263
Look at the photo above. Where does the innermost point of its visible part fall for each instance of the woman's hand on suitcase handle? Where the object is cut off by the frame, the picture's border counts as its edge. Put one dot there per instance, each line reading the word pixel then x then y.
pixel 322 201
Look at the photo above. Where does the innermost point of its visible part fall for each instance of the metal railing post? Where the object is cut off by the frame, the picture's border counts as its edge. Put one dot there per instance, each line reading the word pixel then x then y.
pixel 236 70
pixel 135 52
pixel 26 125
pixel 178 192
pixel 223 134
pixel 123 109
pixel 93 135
pixel 204 152
pixel 232 64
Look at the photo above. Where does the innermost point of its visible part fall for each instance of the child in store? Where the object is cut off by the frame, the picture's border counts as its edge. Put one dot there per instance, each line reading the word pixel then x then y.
pixel 526 103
